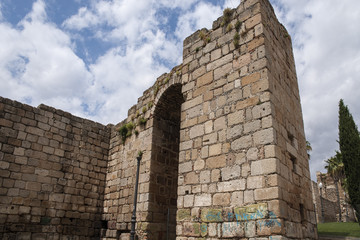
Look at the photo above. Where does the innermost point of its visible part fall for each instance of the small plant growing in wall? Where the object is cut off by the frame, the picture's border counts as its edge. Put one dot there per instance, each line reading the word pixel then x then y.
pixel 156 89
pixel 238 25
pixel 150 105
pixel 236 40
pixel 126 131
pixel 142 121
pixel 202 35
pixel 167 79
pixel 144 109
pixel 123 131
pixel 229 27
pixel 227 16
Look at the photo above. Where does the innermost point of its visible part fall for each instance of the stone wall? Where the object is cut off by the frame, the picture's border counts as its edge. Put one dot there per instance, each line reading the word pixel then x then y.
pixel 221 138
pixel 243 169
pixel 326 201
pixel 53 168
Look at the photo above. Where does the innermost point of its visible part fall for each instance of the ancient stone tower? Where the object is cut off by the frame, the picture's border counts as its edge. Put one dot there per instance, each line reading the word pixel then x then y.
pixel 223 148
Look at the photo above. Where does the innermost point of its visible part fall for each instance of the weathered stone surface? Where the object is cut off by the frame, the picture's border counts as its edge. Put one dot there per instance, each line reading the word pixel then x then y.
pixel 191 229
pixel 232 229
pixel 251 212
pixel 202 200
pixel 214 135
pixel 183 215
pixel 265 166
pixel 211 215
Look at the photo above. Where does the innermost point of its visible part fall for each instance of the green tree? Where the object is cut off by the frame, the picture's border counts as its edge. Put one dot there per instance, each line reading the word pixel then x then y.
pixel 335 168
pixel 349 141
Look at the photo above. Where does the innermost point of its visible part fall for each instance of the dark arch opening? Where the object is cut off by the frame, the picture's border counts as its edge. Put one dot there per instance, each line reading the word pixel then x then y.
pixel 165 163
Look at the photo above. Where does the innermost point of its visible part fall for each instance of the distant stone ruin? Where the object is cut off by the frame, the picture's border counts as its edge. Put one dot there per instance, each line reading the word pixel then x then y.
pixel 326 201
pixel 222 137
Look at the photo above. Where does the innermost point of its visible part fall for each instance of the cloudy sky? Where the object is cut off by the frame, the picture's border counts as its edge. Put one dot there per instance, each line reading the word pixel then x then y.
pixel 94 58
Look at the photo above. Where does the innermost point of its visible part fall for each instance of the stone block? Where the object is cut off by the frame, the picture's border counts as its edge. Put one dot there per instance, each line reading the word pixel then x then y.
pixel 199 164
pixel 251 212
pixel 237 198
pixel 220 62
pixel 258 65
pixel 216 162
pixel 210 139
pixel 220 123
pixel 231 186
pixel 222 71
pixel 202 200
pixel 205 79
pixel 191 178
pixel 266 136
pixel 242 143
pixel 216 54
pixel 242 61
pixel 232 230
pixel 250 229
pixel 191 229
pixel 231 172
pixel 252 126
pixel 247 103
pixel 183 215
pixel 215 149
pixel 256 43
pixel 185 167
pixel 186 145
pixel 211 215
pixel 270 151
pixel 254 182
pixel 235 131
pixel 265 166
pixel 199 72
pixel 192 103
pixel 267 193
pixel 260 86
pixel 221 199
pixel 236 118
pixel 204 176
pixel 262 110
pixel 212 229
pixel 188 200
pixel 268 227
pixel 249 79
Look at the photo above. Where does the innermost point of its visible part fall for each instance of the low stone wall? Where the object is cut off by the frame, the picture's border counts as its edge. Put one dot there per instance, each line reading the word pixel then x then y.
pixel 53 170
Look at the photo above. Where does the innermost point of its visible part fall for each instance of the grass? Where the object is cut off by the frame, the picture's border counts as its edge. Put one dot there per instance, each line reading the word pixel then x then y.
pixel 348 229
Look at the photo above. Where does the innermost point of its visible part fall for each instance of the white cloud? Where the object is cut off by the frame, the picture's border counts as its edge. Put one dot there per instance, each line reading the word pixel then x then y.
pixel 115 20
pixel 38 62
pixel 1 15
pixel 327 53
pixel 83 19
pixel 201 17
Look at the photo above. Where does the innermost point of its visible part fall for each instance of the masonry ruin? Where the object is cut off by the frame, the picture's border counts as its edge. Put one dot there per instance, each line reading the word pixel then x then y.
pixel 326 201
pixel 222 137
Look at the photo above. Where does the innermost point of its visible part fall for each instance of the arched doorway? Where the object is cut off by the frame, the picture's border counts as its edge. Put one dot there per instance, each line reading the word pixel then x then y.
pixel 164 164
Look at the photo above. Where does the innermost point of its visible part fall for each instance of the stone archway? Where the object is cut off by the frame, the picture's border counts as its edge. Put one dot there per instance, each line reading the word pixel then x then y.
pixel 164 164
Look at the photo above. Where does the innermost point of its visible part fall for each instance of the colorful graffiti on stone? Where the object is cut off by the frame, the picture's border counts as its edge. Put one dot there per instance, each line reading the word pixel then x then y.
pixel 241 219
